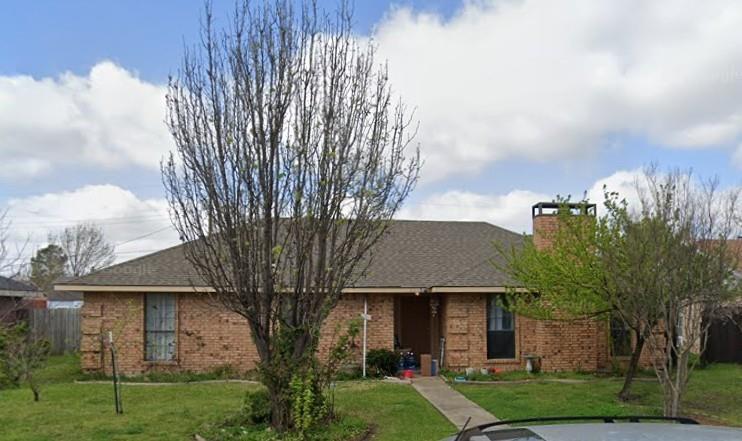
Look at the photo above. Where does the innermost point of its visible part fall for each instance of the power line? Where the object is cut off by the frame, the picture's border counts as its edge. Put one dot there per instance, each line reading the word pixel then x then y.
pixel 99 221
pixel 144 235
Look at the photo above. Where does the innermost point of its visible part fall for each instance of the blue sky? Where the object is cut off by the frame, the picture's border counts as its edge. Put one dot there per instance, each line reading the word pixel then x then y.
pixel 517 101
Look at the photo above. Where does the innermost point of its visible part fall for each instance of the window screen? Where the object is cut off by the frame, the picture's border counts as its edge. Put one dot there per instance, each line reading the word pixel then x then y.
pixel 159 327
pixel 500 329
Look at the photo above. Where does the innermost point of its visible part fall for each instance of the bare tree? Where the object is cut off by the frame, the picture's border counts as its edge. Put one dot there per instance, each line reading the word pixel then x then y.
pixel 291 158
pixel 86 248
pixel 3 243
pixel 9 259
pixel 10 266
pixel 689 224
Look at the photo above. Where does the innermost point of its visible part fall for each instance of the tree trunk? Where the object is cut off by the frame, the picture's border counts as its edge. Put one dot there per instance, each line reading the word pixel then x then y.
pixel 677 386
pixel 671 406
pixel 36 392
pixel 280 411
pixel 625 393
pixel 290 357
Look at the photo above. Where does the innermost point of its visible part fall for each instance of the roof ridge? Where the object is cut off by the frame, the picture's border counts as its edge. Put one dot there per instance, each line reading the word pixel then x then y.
pixel 442 221
pixel 484 222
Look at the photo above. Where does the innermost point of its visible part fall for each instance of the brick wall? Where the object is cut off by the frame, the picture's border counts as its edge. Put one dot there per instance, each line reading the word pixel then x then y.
pixel 599 354
pixel 380 332
pixel 562 345
pixel 207 336
pixel 544 228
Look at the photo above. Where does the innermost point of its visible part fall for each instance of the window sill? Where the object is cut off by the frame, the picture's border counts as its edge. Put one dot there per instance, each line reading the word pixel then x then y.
pixel 502 360
pixel 162 362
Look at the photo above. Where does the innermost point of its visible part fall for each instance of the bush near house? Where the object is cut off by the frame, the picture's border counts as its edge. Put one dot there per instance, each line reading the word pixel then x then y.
pixel 382 362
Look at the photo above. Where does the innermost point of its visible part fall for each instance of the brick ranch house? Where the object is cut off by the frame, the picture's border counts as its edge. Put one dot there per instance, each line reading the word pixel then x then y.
pixel 431 284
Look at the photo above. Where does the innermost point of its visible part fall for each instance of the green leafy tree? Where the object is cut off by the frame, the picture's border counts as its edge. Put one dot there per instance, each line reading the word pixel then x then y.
pixel 21 354
pixel 660 266
pixel 47 266
pixel 589 271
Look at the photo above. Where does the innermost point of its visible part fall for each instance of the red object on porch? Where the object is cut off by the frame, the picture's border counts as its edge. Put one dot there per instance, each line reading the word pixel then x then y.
pixel 408 373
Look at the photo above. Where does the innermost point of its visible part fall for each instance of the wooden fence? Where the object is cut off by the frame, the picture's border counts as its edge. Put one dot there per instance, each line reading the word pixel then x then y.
pixel 60 326
pixel 724 344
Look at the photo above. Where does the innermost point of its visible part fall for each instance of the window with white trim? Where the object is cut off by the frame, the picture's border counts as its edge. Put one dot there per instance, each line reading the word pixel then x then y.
pixel 500 329
pixel 159 327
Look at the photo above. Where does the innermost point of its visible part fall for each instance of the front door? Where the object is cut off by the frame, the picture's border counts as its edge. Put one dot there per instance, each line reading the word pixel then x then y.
pixel 415 324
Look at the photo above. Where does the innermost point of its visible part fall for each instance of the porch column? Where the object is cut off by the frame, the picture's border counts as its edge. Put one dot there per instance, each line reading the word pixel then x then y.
pixel 435 326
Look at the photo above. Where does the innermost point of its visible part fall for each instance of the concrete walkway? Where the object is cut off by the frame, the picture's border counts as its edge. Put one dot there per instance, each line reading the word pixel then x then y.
pixel 454 406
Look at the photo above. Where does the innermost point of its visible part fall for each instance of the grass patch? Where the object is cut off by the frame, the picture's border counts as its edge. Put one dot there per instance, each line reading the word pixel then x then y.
pixel 69 411
pixel 344 429
pixel 714 396
pixel 60 369
pixel 385 410
pixel 75 411
pixel 521 375
pixel 225 372
pixel 396 411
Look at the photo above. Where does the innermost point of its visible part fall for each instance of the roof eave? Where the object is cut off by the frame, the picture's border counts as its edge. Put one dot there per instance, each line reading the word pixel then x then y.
pixel 353 290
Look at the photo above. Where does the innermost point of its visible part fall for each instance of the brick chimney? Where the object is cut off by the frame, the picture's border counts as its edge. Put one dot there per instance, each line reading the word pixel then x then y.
pixel 546 218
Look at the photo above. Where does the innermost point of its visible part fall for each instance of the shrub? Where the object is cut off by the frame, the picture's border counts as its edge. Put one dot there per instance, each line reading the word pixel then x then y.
pixel 308 404
pixel 382 362
pixel 349 373
pixel 21 355
pixel 257 407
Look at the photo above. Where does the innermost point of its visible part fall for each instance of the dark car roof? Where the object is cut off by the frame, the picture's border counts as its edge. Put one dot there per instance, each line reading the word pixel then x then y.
pixel 411 254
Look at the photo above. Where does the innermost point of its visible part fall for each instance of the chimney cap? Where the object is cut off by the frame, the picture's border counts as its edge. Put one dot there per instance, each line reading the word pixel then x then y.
pixel 552 208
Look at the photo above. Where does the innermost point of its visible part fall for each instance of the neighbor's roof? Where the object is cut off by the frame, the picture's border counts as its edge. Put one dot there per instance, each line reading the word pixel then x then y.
pixel 414 254
pixel 14 288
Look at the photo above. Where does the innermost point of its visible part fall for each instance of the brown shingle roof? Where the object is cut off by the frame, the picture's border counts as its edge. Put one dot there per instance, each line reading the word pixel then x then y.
pixel 416 254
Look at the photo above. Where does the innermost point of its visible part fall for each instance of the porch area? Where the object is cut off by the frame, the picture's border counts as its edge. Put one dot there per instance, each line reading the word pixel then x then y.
pixel 418 326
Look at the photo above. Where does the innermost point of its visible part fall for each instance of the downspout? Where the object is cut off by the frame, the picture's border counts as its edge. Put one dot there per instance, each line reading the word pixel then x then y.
pixel 365 331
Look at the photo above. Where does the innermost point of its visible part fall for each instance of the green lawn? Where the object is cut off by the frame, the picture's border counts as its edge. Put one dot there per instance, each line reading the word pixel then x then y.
pixel 714 396
pixel 70 411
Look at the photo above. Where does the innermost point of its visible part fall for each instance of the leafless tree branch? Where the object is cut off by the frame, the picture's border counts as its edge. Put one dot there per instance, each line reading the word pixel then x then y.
pixel 291 157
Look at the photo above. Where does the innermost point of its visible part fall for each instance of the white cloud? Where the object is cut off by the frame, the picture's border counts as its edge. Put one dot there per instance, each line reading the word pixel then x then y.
pixel 545 79
pixel 511 210
pixel 624 182
pixel 109 118
pixel 123 216
pixel 24 167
